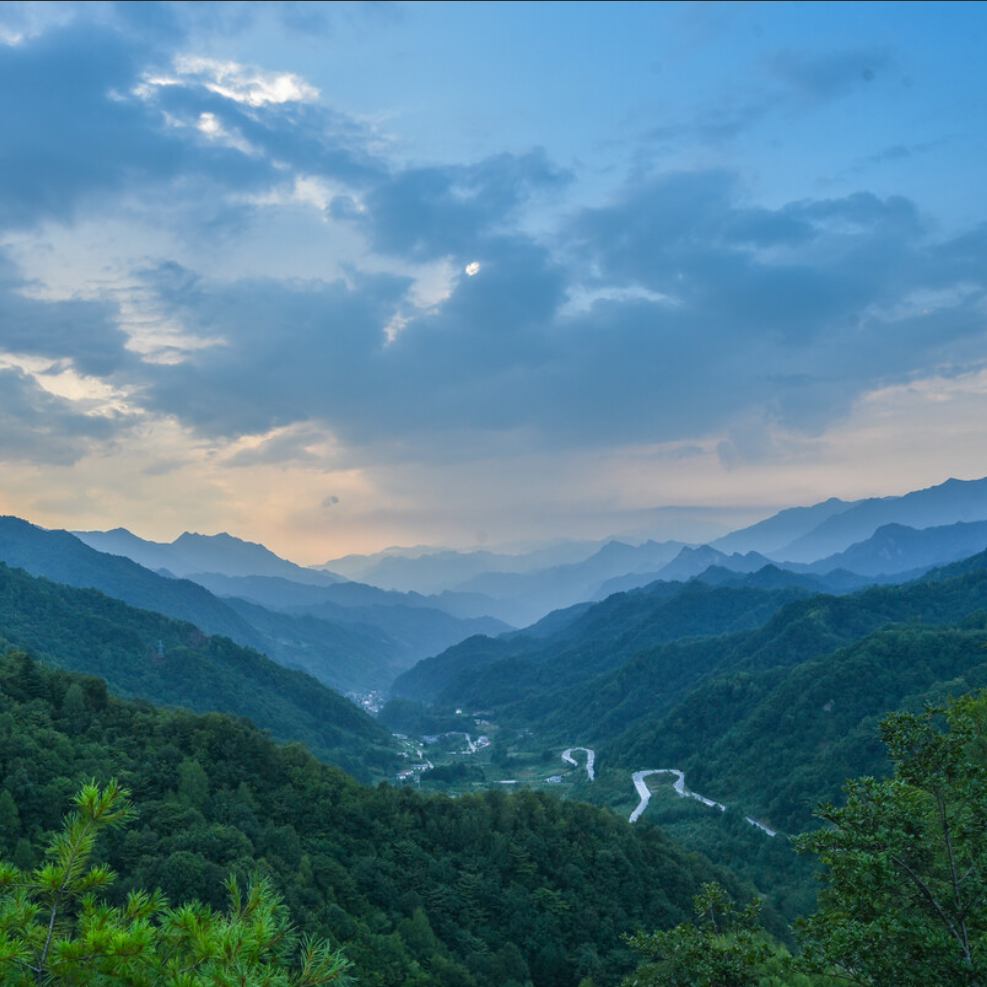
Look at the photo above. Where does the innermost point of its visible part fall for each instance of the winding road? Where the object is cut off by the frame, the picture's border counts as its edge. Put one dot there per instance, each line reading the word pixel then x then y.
pixel 642 789
pixel 590 758
pixel 645 793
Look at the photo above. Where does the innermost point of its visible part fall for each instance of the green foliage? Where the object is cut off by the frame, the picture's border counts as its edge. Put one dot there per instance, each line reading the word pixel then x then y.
pixel 420 891
pixel 723 948
pixel 486 672
pixel 55 928
pixel 905 903
pixel 85 631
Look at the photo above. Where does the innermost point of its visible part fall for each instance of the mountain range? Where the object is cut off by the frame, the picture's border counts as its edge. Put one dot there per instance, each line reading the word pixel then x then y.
pixel 760 676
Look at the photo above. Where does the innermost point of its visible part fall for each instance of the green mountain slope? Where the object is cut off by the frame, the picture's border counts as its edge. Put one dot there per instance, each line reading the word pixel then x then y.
pixel 144 654
pixel 649 683
pixel 781 740
pixel 482 891
pixel 496 671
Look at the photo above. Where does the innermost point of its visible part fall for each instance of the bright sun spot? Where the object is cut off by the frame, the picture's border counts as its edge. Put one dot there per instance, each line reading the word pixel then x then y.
pixel 473 268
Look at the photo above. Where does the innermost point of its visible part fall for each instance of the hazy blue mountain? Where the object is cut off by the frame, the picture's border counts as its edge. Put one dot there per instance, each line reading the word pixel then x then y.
pixel 433 571
pixel 367 659
pixel 690 562
pixel 191 553
pixel 945 504
pixel 532 595
pixel 896 548
pixel 774 577
pixel 150 554
pixel 781 529
pixel 64 558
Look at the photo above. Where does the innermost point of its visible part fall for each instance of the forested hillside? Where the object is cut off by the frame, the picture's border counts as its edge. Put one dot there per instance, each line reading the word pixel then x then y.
pixel 602 685
pixel 341 635
pixel 492 890
pixel 143 654
pixel 586 642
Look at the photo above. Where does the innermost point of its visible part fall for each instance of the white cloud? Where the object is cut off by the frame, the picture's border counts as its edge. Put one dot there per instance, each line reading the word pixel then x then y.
pixel 211 127
pixel 245 84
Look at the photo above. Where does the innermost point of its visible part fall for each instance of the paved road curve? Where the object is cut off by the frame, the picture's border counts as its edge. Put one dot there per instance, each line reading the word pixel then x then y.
pixel 645 793
pixel 590 758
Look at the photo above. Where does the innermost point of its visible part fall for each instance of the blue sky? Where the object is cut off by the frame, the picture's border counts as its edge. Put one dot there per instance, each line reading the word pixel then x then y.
pixel 340 276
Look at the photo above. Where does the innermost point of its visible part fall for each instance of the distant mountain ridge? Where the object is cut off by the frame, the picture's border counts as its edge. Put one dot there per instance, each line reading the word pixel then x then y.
pixel 896 548
pixel 944 504
pixel 192 553
pixel 355 655
pixel 64 558
pixel 780 530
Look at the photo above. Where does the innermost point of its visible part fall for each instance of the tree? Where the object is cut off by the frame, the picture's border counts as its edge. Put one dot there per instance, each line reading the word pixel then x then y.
pixel 905 902
pixel 56 930
pixel 724 948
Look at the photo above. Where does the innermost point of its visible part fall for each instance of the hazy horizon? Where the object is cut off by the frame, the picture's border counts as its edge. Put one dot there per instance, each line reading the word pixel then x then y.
pixel 339 277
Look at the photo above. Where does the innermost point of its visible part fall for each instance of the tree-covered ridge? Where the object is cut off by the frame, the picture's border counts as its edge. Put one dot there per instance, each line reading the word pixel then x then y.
pixel 904 901
pixel 646 685
pixel 778 741
pixel 591 642
pixel 144 654
pixel 494 890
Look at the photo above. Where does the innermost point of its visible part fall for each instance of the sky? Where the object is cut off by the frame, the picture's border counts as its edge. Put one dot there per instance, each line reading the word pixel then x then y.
pixel 335 277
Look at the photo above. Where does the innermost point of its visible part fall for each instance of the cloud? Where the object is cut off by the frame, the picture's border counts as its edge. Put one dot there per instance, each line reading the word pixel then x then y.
pixel 96 116
pixel 243 84
pixel 697 311
pixel 82 332
pixel 425 213
pixel 283 352
pixel 781 85
pixel 663 315
pixel 39 427
pixel 302 445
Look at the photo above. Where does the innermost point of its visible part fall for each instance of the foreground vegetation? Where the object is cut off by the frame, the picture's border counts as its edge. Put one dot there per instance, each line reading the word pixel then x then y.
pixel 487 890
pixel 494 890
pixel 904 902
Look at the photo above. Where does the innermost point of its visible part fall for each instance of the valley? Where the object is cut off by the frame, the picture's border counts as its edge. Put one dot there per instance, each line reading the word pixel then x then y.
pixel 764 687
